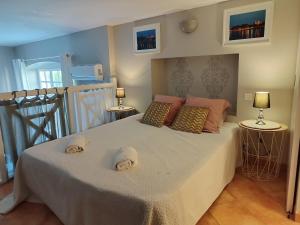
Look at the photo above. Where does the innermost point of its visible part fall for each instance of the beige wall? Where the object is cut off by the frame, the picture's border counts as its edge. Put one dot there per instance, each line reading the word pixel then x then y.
pixel 111 50
pixel 262 66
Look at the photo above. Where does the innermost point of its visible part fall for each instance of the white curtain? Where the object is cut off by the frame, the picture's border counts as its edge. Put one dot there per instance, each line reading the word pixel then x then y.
pixel 7 82
pixel 21 77
pixel 91 108
pixel 66 64
pixel 27 77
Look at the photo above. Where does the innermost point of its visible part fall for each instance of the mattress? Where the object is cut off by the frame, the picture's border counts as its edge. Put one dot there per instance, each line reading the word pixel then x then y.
pixel 178 177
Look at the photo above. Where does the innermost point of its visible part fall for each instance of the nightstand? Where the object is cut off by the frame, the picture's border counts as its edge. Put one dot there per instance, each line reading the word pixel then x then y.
pixel 122 112
pixel 261 148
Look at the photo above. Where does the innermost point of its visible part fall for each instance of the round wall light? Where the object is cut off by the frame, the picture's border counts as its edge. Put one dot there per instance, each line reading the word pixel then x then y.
pixel 188 25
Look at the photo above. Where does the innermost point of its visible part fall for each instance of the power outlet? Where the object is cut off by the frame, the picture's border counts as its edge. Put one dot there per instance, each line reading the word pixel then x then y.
pixel 248 97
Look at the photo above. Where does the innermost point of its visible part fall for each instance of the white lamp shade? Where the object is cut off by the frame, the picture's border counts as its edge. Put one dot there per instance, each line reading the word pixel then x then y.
pixel 120 93
pixel 262 100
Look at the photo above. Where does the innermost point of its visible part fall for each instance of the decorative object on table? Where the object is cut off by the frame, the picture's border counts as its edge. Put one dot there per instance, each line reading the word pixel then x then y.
pixel 146 39
pixel 252 23
pixel 189 25
pixel 261 150
pixel 120 94
pixel 121 113
pixel 261 101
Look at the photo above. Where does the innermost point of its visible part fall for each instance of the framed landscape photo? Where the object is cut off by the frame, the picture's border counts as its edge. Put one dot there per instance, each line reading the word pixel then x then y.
pixel 252 23
pixel 146 39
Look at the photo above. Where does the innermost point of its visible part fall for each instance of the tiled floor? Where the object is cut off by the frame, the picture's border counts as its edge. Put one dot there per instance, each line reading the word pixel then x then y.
pixel 248 202
pixel 243 202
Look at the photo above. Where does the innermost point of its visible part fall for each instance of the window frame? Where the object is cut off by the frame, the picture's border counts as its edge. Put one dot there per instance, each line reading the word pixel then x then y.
pixel 49 83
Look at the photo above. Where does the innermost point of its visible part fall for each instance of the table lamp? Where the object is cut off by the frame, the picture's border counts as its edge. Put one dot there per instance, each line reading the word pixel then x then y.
pixel 120 94
pixel 261 101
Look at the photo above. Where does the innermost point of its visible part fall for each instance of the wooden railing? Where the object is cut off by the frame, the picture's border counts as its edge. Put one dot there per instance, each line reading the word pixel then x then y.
pixel 71 91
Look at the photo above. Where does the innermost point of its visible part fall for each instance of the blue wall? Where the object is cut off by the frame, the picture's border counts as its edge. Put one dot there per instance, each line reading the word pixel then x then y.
pixel 87 47
pixel 7 80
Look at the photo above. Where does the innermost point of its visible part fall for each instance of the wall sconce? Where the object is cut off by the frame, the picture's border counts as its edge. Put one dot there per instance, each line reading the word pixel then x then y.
pixel 188 25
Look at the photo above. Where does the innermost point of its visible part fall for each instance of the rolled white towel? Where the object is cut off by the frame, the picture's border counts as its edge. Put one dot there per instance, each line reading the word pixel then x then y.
pixel 77 143
pixel 126 158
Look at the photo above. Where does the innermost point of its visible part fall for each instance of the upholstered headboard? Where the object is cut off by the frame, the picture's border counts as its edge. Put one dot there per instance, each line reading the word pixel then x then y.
pixel 202 76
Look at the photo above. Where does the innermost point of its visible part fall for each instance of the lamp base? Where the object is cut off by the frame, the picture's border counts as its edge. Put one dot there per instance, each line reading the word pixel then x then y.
pixel 260 122
pixel 260 118
pixel 120 103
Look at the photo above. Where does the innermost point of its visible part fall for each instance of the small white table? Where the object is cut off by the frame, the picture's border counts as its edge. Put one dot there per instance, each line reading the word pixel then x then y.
pixel 261 148
pixel 122 112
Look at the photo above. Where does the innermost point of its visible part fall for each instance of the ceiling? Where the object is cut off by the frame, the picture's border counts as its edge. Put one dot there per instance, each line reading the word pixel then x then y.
pixel 27 21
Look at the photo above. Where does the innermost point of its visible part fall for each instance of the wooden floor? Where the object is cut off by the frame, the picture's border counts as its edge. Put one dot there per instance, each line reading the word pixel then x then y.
pixel 243 202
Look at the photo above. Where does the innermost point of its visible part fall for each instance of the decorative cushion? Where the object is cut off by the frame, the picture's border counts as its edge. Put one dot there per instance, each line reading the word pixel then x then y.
pixel 176 102
pixel 190 119
pixel 224 117
pixel 216 111
pixel 156 114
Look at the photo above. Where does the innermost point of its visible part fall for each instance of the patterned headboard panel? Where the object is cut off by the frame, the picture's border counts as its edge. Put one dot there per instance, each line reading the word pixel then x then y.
pixel 203 76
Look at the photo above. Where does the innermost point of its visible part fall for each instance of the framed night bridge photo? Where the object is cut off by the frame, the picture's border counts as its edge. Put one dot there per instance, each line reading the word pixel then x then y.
pixel 251 23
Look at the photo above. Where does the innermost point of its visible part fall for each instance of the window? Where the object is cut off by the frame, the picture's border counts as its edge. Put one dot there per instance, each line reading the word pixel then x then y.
pixel 42 75
pixel 50 78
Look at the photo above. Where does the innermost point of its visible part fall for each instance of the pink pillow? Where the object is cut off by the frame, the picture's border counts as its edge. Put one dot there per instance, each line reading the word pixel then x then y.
pixel 223 119
pixel 216 111
pixel 176 102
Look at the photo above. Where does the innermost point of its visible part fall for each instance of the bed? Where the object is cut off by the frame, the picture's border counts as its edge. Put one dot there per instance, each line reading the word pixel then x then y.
pixel 178 177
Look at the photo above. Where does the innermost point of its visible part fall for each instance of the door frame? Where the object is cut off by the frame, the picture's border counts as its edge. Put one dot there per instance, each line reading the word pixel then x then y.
pixel 291 204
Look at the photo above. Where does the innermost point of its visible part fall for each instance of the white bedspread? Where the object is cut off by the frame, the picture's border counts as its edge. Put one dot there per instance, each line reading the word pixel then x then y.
pixel 178 177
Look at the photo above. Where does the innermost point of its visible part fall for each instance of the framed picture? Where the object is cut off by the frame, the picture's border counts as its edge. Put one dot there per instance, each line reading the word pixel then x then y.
pixel 146 39
pixel 252 23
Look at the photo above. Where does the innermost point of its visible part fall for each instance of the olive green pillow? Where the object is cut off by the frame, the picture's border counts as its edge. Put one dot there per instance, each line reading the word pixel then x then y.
pixel 156 114
pixel 190 119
